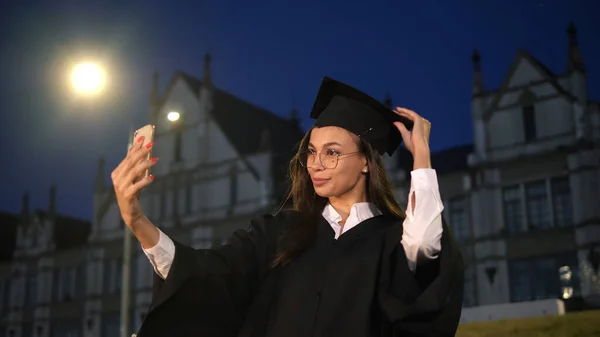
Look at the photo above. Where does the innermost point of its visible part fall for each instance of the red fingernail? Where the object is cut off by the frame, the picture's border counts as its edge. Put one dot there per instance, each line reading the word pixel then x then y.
pixel 153 160
pixel 139 140
pixel 149 145
pixel 151 177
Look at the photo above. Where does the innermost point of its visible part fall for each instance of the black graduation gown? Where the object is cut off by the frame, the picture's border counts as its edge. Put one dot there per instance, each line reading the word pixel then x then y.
pixel 358 285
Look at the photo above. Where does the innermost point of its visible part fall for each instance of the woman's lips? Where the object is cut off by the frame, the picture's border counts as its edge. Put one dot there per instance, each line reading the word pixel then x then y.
pixel 319 181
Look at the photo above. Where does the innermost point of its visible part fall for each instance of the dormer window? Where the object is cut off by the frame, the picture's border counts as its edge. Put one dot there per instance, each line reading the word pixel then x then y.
pixel 527 101
pixel 529 128
pixel 178 145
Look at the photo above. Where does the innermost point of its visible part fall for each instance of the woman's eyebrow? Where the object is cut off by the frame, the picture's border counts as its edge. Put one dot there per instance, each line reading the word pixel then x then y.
pixel 327 144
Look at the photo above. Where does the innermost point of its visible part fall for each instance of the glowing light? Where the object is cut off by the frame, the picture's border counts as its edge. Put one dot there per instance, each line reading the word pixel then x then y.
pixel 88 78
pixel 173 116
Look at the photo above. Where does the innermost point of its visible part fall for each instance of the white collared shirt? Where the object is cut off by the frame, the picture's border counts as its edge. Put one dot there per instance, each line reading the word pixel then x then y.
pixel 359 212
pixel 422 227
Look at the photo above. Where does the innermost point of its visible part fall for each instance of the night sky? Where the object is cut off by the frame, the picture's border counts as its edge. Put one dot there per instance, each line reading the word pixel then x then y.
pixel 269 53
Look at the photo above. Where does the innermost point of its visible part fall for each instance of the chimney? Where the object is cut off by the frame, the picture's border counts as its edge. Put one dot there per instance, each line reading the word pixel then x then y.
pixel 25 209
pixel 478 88
pixel 52 201
pixel 207 79
pixel 575 58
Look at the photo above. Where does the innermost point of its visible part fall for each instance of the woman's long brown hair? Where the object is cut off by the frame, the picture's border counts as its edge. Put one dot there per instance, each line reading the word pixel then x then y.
pixel 310 205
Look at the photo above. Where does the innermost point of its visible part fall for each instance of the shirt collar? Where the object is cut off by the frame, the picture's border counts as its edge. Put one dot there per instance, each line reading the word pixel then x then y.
pixel 359 212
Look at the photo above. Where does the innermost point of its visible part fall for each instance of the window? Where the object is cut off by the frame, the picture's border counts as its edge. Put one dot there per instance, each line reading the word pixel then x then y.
pixel 537 279
pixel 170 196
pixel 134 271
pixel 80 281
pixel 512 209
pixel 142 272
pixel 112 275
pixel 3 298
pixel 177 145
pixel 188 198
pixel 66 328
pixel 6 294
pixel 469 297
pixel 202 237
pixel 163 205
pixel 118 274
pixel 561 202
pixel 64 284
pixel 56 285
pixel 233 189
pixel 67 283
pixel 111 325
pixel 529 127
pixel 134 322
pixel 458 218
pixel 27 330
pixel 547 203
pixel 32 289
pixel 536 196
pixel 17 289
pixel 520 281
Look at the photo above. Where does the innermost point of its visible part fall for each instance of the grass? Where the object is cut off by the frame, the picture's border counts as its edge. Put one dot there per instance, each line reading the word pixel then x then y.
pixel 578 324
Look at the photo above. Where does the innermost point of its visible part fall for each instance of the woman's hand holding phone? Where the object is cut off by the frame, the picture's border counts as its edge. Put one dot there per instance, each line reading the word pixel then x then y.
pixel 129 179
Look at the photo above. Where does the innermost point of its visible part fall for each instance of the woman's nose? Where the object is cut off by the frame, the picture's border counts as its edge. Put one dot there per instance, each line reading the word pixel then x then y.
pixel 317 165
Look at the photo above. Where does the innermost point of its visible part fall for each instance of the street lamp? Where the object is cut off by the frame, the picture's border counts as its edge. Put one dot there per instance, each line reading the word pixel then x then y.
pixel 88 78
pixel 173 116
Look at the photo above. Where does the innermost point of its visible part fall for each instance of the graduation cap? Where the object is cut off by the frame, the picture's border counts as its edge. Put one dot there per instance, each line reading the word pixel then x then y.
pixel 338 104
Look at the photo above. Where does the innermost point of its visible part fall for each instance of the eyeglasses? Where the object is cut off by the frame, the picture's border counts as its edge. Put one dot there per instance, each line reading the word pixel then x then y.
pixel 328 159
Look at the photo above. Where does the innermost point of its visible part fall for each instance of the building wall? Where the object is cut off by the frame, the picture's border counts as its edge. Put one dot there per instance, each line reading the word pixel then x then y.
pixel 522 209
pixel 531 184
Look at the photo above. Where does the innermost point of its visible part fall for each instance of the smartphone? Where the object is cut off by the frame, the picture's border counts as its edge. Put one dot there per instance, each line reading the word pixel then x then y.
pixel 147 131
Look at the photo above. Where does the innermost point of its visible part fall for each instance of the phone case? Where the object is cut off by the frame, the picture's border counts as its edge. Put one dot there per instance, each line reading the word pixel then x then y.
pixel 147 131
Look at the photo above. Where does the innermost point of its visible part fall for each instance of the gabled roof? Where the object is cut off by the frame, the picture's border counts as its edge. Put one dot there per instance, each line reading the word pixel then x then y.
pixel 241 121
pixel 244 125
pixel 539 66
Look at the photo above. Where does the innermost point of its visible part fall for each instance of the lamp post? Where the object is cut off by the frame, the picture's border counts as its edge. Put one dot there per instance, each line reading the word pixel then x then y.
pixel 126 271
pixel 126 289
pixel 89 79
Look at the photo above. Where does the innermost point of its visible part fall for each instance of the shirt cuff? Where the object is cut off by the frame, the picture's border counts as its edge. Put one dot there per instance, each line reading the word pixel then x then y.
pixel 424 179
pixel 161 255
pixel 163 242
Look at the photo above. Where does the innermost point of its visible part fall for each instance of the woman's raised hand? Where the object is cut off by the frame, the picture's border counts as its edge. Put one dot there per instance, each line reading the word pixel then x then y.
pixel 417 140
pixel 128 180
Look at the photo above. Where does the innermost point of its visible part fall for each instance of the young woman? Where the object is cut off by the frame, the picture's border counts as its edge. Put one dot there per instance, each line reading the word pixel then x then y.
pixel 345 261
